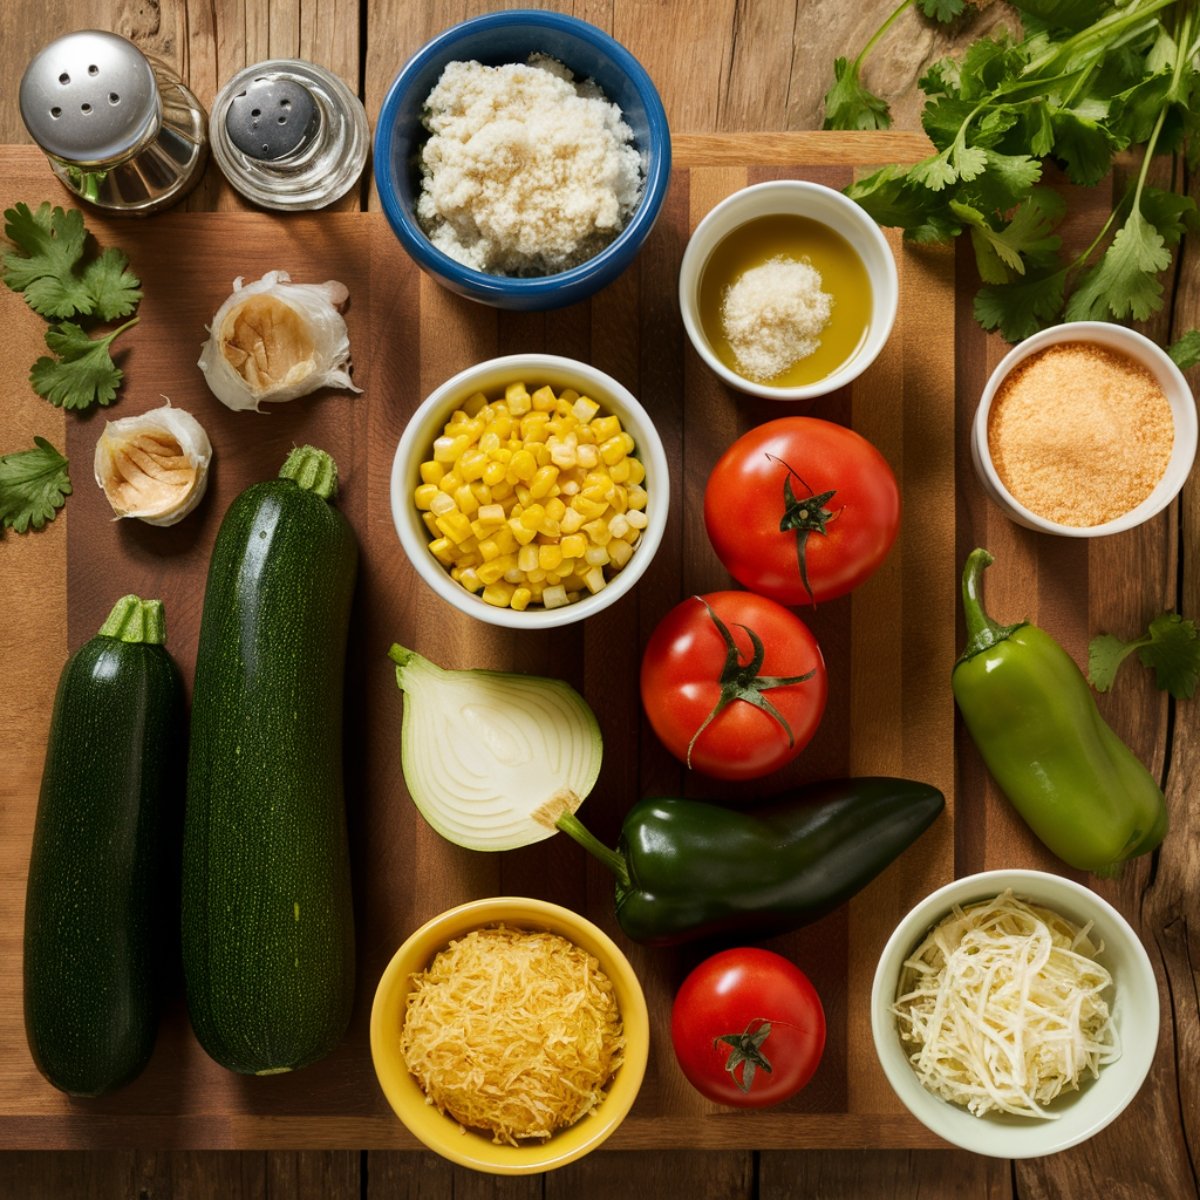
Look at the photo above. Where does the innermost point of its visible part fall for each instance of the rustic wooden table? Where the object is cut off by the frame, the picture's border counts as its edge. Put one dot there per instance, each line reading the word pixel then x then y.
pixel 722 67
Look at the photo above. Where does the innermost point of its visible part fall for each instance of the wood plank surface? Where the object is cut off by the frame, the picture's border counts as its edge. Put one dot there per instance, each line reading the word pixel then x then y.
pixel 722 66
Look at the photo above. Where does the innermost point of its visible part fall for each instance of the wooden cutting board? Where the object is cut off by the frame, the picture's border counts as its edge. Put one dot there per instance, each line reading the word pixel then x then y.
pixel 889 646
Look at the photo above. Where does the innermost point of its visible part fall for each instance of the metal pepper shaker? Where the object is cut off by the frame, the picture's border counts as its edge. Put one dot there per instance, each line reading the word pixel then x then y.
pixel 120 129
pixel 289 134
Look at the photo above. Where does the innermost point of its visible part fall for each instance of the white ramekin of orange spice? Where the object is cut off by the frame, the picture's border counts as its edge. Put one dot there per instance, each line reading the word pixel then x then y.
pixel 1083 430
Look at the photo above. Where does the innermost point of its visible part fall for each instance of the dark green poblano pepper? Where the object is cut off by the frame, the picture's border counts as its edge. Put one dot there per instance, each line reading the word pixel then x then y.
pixel 687 869
pixel 1031 713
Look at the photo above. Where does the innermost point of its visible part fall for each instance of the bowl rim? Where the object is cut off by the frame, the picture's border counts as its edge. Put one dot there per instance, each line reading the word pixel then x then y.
pixel 1142 350
pixel 474 914
pixel 656 160
pixel 607 391
pixel 691 268
pixel 1031 884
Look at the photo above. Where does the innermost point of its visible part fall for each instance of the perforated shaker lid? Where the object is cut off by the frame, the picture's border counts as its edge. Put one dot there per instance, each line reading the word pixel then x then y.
pixel 89 97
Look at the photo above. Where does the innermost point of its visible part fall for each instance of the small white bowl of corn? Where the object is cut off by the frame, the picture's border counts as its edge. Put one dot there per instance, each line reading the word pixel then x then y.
pixel 530 491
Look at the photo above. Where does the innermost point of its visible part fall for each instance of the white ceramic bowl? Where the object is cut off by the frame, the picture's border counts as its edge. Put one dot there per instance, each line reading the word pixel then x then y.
pixel 1134 1000
pixel 818 203
pixel 491 377
pixel 1142 351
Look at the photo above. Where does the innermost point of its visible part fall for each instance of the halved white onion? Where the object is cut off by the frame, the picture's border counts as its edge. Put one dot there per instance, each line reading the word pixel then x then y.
pixel 154 466
pixel 274 340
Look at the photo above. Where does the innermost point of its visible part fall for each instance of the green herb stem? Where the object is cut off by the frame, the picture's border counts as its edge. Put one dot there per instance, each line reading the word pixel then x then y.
pixel 877 36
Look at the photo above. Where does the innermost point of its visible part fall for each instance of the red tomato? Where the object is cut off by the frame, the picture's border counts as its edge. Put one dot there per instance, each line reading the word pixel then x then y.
pixel 748 1028
pixel 687 672
pixel 849 535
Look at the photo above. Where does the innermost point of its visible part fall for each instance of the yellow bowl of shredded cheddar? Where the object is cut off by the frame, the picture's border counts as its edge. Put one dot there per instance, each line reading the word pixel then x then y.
pixel 510 1035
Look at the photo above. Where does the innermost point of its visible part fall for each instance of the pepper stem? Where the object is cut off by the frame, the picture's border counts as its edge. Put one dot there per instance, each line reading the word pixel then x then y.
pixel 982 631
pixel 136 622
pixel 574 828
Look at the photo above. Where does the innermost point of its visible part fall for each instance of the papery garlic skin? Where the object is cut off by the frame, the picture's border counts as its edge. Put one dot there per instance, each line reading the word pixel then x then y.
pixel 154 466
pixel 274 340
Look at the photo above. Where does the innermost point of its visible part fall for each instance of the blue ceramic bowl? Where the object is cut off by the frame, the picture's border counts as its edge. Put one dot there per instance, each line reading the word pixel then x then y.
pixel 494 39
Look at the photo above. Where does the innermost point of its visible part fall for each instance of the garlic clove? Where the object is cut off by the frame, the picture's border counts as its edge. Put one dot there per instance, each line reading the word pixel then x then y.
pixel 274 340
pixel 154 466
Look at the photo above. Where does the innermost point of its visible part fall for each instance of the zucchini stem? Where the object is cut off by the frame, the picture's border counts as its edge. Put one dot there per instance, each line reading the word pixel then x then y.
pixel 136 622
pixel 313 470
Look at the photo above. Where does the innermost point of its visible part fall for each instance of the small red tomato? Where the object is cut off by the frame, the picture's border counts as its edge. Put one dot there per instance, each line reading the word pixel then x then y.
pixel 801 509
pixel 734 684
pixel 748 1028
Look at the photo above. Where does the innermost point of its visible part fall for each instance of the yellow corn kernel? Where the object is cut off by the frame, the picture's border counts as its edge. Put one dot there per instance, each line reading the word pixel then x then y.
pixel 618 525
pixel 432 471
pixel 522 467
pixel 489 441
pixel 455 526
pixel 498 594
pixel 569 394
pixel 517 399
pixel 527 557
pixel 532 516
pixel 637 497
pixel 535 427
pixel 587 507
pixel 554 597
pixel 593 580
pixel 520 599
pixel 618 497
pixel 469 578
pixel 502 490
pixel 491 514
pixel 555 508
pixel 503 537
pixel 440 504
pixel 443 550
pixel 501 425
pixel 605 428
pixel 446 449
pixel 489 548
pixel 637 472
pixel 537 575
pixel 457 417
pixel 543 482
pixel 598 532
pixel 619 471
pixel 470 466
pixel 474 404
pixel 573 545
pixel 549 556
pixel 493 570
pixel 544 399
pixel 431 524
pixel 637 519
pixel 612 450
pixel 524 499
pixel 493 473
pixel 465 499
pixel 619 552
pixel 588 457
pixel 450 482
pixel 584 409
pixel 597 556
pixel 572 520
pixel 519 531
pixel 424 494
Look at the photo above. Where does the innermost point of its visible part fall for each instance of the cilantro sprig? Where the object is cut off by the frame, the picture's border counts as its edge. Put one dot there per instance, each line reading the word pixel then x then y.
pixel 52 268
pixel 1170 647
pixel 34 485
pixel 1088 80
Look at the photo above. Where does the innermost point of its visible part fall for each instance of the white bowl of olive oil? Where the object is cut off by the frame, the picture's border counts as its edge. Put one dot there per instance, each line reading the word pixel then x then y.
pixel 788 290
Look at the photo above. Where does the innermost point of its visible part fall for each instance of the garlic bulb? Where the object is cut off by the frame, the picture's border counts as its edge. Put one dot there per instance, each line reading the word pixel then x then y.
pixel 275 340
pixel 154 466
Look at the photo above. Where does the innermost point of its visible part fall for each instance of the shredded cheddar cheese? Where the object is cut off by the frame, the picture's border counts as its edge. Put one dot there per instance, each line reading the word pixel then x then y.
pixel 513 1032
pixel 1003 1002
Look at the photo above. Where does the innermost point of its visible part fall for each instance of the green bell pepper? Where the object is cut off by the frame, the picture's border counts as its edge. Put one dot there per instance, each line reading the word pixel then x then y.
pixel 1032 715
pixel 686 869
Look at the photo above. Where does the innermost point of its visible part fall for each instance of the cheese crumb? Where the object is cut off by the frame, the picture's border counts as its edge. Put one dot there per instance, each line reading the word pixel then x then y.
pixel 1080 434
pixel 526 172
pixel 773 316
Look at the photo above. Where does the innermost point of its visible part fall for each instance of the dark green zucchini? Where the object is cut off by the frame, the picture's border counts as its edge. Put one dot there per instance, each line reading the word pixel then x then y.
pixel 268 931
pixel 102 846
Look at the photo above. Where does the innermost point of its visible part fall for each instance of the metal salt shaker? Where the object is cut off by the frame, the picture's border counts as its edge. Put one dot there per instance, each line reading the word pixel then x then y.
pixel 289 134
pixel 120 129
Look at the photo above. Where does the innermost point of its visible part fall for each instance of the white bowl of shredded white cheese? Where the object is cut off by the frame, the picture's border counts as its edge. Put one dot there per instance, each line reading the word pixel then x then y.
pixel 1015 1013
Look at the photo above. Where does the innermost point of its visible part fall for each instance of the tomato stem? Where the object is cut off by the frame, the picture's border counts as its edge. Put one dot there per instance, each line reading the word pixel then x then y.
pixel 804 515
pixel 747 1052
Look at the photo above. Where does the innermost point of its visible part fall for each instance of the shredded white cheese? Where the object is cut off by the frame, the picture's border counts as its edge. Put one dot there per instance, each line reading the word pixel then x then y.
pixel 774 315
pixel 513 1032
pixel 1003 1004
pixel 526 171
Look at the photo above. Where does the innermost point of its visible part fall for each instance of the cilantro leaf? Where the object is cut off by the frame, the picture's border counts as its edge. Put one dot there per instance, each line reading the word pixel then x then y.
pixel 82 373
pixel 1001 253
pixel 1170 213
pixel 49 244
pixel 1021 308
pixel 1125 281
pixel 113 287
pixel 941 10
pixel 1170 647
pixel 34 484
pixel 1066 14
pixel 1185 352
pixel 1083 145
pixel 850 105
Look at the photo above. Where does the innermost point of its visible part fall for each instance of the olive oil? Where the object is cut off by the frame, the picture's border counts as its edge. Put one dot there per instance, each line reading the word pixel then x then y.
pixel 843 276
